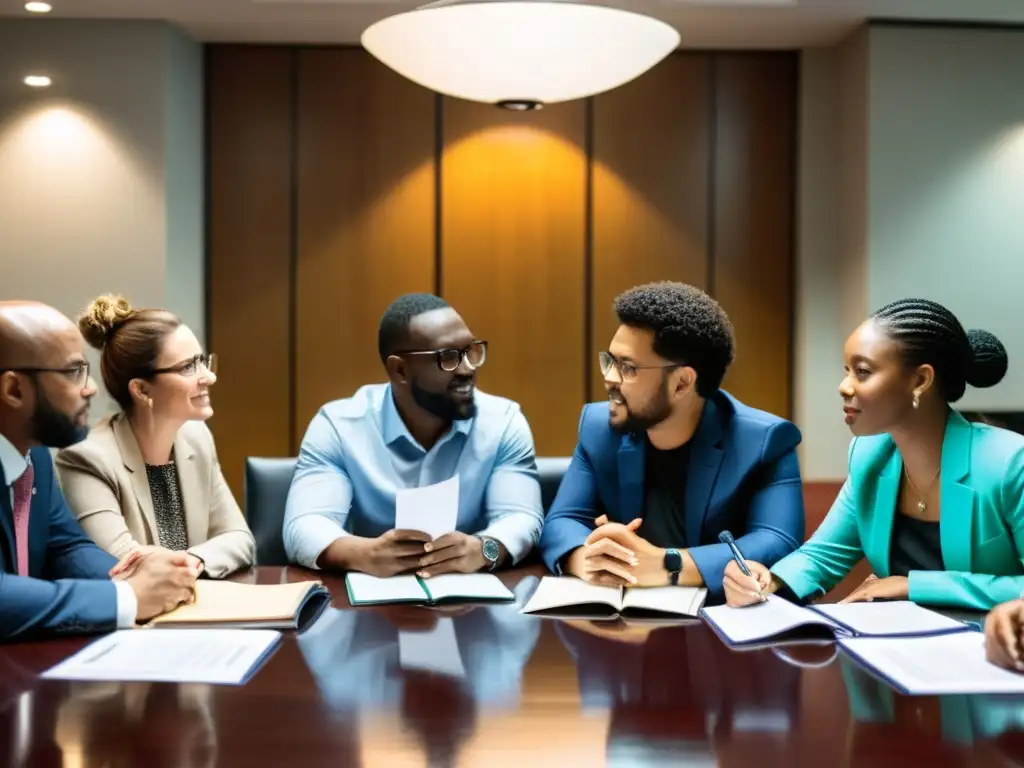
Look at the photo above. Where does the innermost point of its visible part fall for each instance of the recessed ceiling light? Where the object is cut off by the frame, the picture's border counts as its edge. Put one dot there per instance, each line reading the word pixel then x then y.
pixel 37 81
pixel 38 7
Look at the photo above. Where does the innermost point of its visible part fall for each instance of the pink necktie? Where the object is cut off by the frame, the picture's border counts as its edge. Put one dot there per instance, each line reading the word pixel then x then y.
pixel 22 505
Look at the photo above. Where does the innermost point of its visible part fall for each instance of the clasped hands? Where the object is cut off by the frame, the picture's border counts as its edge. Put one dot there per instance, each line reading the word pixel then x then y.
pixel 160 578
pixel 614 555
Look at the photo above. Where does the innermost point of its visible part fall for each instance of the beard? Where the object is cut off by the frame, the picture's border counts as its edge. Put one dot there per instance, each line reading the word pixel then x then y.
pixel 644 419
pixel 53 428
pixel 442 404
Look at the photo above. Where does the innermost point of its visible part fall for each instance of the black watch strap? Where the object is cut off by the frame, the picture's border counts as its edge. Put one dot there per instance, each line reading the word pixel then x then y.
pixel 674 565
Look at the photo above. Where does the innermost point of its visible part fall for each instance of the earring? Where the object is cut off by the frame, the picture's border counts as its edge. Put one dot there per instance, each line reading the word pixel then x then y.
pixel 916 402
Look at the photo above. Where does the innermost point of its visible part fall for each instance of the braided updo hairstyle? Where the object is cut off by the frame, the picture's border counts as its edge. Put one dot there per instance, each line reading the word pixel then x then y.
pixel 929 334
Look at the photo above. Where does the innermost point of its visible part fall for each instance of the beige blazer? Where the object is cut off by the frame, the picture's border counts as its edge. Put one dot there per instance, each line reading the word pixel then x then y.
pixel 105 484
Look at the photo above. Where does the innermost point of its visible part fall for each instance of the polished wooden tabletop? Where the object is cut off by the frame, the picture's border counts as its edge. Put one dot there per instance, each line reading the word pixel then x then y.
pixel 487 686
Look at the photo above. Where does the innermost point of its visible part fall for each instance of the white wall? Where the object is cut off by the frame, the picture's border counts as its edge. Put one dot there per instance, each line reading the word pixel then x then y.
pixel 831 263
pixel 101 174
pixel 911 184
pixel 946 189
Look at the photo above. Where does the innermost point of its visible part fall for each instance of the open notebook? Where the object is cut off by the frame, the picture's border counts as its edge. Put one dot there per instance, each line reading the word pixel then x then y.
pixel 778 621
pixel 227 604
pixel 364 589
pixel 567 596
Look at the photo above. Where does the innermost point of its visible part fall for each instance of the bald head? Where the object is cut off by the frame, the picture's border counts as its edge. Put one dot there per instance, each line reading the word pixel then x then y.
pixel 45 387
pixel 34 335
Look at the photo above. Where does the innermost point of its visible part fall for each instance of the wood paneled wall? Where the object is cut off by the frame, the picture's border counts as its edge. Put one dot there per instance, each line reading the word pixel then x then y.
pixel 335 186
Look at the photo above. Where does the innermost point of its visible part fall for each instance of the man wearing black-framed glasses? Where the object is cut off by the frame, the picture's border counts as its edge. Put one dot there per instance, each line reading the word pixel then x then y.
pixel 671 460
pixel 53 578
pixel 427 424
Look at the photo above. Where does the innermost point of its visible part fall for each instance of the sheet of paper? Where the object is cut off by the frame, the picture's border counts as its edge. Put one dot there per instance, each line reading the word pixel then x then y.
pixel 565 591
pixel 937 665
pixel 890 619
pixel 480 586
pixel 682 601
pixel 364 588
pixel 762 621
pixel 433 509
pixel 436 650
pixel 214 656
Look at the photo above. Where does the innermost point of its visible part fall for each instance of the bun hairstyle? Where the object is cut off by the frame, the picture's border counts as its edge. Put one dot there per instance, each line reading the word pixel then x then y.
pixel 102 317
pixel 129 341
pixel 931 335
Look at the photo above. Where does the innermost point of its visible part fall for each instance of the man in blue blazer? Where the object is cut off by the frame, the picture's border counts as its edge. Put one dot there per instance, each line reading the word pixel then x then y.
pixel 671 460
pixel 54 579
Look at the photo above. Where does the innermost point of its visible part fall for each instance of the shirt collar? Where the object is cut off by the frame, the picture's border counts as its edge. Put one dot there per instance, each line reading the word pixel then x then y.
pixel 13 463
pixel 392 426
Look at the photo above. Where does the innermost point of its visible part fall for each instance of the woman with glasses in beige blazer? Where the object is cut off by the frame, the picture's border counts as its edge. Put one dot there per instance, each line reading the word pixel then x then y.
pixel 149 475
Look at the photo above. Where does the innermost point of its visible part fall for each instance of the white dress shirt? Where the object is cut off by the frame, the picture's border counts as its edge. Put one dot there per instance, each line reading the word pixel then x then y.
pixel 14 465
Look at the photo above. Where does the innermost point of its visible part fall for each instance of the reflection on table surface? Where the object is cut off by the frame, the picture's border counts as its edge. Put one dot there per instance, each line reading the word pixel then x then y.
pixel 486 685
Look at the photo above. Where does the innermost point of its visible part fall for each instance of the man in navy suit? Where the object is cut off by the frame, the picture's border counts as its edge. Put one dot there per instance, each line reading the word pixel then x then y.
pixel 54 579
pixel 671 460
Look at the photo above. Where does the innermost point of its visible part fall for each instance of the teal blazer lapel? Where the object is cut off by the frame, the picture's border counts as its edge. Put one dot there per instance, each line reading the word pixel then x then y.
pixel 878 546
pixel 631 477
pixel 956 515
pixel 705 461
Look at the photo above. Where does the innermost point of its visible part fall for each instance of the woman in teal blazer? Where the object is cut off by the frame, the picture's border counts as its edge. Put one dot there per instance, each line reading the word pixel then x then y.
pixel 934 503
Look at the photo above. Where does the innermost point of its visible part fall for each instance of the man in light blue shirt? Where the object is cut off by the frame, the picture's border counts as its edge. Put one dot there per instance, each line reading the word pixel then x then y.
pixel 427 424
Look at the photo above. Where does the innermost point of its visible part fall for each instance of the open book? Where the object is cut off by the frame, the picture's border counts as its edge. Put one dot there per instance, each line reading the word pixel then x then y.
pixel 364 589
pixel 226 604
pixel 778 621
pixel 567 596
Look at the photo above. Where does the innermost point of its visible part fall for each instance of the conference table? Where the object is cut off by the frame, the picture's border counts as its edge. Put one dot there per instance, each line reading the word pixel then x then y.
pixel 484 685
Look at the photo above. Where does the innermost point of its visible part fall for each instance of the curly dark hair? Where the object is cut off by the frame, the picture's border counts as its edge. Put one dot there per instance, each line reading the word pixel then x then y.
pixel 690 328
pixel 929 334
pixel 394 325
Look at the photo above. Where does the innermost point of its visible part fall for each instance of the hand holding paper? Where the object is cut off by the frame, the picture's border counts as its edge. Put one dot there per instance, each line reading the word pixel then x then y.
pixel 433 509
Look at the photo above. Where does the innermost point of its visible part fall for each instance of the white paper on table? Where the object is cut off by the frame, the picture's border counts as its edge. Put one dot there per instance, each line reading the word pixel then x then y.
pixel 935 665
pixel 213 656
pixel 434 651
pixel 433 509
pixel 364 588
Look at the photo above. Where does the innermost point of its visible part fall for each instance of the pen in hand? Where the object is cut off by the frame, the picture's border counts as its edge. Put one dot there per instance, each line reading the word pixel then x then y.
pixel 726 538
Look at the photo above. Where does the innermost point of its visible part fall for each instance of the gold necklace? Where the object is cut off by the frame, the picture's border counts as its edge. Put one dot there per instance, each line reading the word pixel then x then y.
pixel 922 505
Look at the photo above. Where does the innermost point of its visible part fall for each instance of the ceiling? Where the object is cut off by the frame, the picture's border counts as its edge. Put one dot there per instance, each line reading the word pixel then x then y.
pixel 702 23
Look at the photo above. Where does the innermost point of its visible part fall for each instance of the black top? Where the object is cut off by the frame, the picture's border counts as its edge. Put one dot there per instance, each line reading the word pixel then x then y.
pixel 665 496
pixel 915 546
pixel 170 515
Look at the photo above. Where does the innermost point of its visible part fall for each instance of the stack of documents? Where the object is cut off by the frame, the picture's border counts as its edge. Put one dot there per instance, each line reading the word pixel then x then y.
pixel 567 596
pixel 213 656
pixel 933 666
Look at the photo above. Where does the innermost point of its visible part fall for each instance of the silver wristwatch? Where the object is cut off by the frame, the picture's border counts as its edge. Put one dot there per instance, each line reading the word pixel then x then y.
pixel 491 551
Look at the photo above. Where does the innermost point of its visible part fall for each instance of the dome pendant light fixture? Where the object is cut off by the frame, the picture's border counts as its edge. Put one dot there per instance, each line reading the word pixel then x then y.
pixel 520 54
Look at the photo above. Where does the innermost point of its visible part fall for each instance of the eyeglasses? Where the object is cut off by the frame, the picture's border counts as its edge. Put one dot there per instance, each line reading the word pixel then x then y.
pixel 77 374
pixel 627 371
pixel 449 360
pixel 190 367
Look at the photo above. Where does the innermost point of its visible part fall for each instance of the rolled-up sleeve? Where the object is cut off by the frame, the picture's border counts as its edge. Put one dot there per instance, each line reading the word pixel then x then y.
pixel 320 496
pixel 512 503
